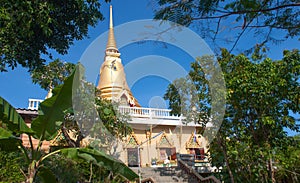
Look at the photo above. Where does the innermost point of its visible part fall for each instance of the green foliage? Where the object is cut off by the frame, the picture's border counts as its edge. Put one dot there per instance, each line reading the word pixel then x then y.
pixel 12 125
pixel 287 161
pixel 52 75
pixel 51 112
pixel 30 28
pixel 190 96
pixel 45 175
pixel 8 142
pixel 174 101
pixel 59 164
pixel 44 127
pixel 78 170
pixel 96 117
pixel 113 121
pixel 11 120
pixel 262 98
pixel 214 17
pixel 101 159
pixel 11 165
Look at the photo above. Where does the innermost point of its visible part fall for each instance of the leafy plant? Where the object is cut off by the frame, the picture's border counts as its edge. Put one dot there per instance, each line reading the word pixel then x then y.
pixel 12 165
pixel 238 18
pixel 262 99
pixel 45 127
pixel 53 74
pixel 30 28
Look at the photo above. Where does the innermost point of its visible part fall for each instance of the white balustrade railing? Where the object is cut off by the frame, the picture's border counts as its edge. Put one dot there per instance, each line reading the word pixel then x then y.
pixel 151 113
pixel 136 112
pixel 33 104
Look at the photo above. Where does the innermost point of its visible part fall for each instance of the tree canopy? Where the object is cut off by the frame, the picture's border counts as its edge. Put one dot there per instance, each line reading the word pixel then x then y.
pixel 263 97
pixel 52 74
pixel 29 29
pixel 214 17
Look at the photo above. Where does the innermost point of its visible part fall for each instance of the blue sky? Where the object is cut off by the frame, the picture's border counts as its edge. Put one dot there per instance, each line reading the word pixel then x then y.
pixel 17 87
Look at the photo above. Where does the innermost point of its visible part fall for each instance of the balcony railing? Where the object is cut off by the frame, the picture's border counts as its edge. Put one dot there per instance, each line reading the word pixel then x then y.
pixel 139 112
pixel 157 116
pixel 150 113
pixel 33 104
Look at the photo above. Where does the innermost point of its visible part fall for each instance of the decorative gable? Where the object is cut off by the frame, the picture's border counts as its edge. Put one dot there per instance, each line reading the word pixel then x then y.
pixel 164 142
pixel 193 142
pixel 132 141
pixel 125 99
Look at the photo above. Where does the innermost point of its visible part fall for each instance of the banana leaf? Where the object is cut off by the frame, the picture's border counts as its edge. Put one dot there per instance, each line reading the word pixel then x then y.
pixel 101 159
pixel 51 111
pixel 11 119
pixel 8 142
pixel 46 175
pixel 12 125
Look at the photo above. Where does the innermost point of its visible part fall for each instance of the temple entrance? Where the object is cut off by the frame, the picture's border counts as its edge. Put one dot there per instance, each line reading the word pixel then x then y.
pixel 194 146
pixel 198 153
pixel 132 157
pixel 132 151
pixel 167 153
pixel 166 150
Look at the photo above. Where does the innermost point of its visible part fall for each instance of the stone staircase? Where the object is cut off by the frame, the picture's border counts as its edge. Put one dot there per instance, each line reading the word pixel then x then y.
pixel 163 174
pixel 181 173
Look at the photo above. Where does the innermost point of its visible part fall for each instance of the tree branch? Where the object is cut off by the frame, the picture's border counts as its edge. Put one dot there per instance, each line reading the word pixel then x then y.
pixel 271 26
pixel 71 143
pixel 217 31
pixel 240 35
pixel 247 11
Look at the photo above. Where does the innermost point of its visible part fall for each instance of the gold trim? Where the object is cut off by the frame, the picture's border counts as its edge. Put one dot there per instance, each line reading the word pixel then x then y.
pixel 159 145
pixel 191 143
pixel 132 135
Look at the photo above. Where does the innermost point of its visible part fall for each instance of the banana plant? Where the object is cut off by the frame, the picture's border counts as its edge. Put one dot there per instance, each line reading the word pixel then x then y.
pixel 45 127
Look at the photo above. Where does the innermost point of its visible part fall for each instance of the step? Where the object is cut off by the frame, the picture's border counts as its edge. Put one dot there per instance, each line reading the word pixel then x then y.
pixel 161 174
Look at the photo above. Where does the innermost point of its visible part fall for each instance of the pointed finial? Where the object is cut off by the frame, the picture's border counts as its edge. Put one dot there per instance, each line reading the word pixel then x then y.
pixel 111 43
pixel 110 17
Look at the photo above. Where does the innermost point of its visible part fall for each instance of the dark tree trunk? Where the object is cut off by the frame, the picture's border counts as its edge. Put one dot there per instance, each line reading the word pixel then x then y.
pixel 226 158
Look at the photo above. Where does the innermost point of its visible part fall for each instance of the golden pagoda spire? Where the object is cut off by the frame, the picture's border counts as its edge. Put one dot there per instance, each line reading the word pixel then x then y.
pixel 112 83
pixel 111 42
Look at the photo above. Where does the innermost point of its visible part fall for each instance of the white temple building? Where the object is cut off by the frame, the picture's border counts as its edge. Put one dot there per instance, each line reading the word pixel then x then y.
pixel 157 137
